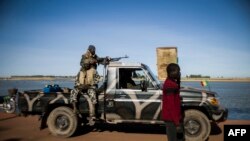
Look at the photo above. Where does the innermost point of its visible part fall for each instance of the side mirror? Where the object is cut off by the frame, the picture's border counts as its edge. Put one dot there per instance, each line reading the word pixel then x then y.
pixel 144 85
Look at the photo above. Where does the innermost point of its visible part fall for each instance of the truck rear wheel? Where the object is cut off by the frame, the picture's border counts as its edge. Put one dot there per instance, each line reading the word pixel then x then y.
pixel 62 122
pixel 197 126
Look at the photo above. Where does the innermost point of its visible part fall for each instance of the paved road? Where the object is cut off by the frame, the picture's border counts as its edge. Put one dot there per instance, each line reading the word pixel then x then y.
pixel 14 128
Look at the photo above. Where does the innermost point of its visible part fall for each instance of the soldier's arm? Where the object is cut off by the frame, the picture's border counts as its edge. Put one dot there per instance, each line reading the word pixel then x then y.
pixel 102 60
pixel 82 61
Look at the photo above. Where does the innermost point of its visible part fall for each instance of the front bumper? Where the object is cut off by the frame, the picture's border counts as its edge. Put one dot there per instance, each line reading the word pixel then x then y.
pixel 219 115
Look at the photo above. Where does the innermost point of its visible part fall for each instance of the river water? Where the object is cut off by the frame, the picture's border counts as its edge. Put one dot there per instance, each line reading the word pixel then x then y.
pixel 233 95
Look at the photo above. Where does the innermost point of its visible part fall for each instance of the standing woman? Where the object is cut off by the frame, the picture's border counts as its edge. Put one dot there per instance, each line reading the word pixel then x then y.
pixel 171 101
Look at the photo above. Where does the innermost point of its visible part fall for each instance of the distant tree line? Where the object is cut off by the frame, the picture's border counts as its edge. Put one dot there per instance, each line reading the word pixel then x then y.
pixel 197 76
pixel 39 76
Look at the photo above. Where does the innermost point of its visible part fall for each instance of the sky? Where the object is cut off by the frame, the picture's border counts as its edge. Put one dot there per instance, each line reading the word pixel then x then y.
pixel 48 37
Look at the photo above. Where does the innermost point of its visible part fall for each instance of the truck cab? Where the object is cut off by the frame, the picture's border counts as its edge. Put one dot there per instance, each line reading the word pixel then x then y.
pixel 133 94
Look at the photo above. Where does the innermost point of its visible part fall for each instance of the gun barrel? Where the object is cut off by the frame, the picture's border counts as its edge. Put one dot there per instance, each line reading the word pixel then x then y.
pixel 118 58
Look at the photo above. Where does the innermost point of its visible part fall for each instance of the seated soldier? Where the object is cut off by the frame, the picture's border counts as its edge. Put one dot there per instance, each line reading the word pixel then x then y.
pixel 126 81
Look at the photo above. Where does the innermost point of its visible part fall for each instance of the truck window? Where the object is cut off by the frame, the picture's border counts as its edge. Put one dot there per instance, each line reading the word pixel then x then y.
pixel 131 78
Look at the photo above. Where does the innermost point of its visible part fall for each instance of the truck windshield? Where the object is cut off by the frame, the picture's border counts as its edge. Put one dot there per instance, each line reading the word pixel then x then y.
pixel 151 74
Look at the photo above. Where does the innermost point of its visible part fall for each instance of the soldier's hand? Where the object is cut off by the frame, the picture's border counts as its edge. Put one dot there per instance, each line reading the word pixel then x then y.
pixel 93 61
pixel 108 58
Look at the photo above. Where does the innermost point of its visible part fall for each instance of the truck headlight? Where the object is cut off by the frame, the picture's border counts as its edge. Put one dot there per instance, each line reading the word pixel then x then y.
pixel 213 101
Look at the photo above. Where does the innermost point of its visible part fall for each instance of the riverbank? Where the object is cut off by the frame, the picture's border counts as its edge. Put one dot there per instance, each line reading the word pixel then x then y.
pixel 73 78
pixel 38 78
pixel 17 128
pixel 217 79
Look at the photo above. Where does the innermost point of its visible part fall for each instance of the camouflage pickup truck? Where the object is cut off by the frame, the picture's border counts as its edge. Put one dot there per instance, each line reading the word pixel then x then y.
pixel 121 102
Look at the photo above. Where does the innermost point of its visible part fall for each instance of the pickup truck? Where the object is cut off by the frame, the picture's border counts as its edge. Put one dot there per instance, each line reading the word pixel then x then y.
pixel 119 102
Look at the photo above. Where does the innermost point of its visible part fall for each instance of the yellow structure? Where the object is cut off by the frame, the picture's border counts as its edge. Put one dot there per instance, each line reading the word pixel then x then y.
pixel 165 56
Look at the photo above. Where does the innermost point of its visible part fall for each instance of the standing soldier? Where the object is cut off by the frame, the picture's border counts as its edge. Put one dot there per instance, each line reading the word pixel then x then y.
pixel 88 76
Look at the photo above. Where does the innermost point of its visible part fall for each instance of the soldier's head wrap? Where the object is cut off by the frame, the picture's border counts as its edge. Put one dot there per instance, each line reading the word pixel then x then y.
pixel 92 49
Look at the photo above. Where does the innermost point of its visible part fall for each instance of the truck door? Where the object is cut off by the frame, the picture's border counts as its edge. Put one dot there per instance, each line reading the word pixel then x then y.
pixel 130 102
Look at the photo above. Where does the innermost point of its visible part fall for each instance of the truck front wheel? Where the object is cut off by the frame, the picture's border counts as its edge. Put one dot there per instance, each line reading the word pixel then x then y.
pixel 62 122
pixel 197 126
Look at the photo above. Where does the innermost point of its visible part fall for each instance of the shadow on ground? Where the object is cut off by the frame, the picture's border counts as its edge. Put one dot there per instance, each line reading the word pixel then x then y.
pixel 215 129
pixel 134 128
pixel 7 118
pixel 13 139
pixel 127 128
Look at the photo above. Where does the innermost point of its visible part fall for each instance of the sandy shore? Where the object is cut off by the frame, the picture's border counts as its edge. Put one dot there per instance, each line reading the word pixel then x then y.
pixel 14 128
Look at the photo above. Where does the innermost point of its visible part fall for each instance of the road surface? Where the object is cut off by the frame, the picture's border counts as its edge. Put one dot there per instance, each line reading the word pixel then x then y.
pixel 16 128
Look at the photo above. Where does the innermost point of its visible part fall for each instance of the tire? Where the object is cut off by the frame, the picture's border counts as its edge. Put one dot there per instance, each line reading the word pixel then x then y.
pixel 62 122
pixel 197 126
